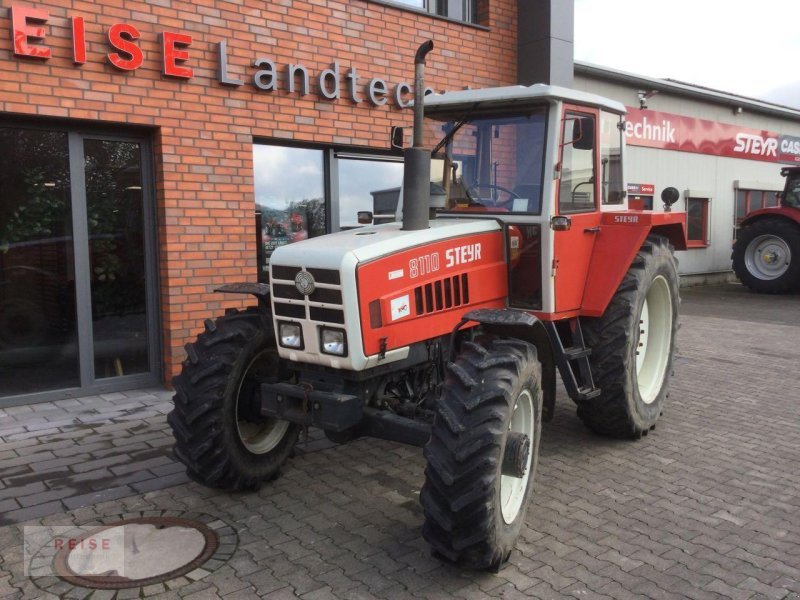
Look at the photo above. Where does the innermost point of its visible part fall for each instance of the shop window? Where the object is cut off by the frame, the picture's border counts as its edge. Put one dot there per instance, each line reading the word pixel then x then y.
pixel 459 10
pixel 290 198
pixel 367 184
pixel 78 298
pixel 697 222
pixel 749 200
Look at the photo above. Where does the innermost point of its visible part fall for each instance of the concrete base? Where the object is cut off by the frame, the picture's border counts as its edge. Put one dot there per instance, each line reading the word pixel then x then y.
pixel 696 279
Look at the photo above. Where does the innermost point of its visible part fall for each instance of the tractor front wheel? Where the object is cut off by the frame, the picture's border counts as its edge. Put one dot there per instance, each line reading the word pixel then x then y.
pixel 766 256
pixel 633 344
pixel 482 454
pixel 219 435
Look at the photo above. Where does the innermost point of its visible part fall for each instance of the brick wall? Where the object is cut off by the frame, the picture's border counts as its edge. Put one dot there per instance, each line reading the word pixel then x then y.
pixel 203 131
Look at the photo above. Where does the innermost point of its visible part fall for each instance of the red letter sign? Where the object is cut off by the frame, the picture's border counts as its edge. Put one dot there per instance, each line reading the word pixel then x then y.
pixel 171 41
pixel 20 15
pixel 78 41
pixel 125 46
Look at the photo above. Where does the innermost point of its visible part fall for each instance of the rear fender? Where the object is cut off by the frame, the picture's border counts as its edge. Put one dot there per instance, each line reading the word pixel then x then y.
pixel 620 237
pixel 509 323
pixel 784 212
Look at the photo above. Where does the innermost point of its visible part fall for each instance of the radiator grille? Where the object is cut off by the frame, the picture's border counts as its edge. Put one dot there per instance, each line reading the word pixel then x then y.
pixel 323 305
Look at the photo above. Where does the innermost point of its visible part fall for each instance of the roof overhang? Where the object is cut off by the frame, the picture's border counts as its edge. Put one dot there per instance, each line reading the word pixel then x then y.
pixel 498 99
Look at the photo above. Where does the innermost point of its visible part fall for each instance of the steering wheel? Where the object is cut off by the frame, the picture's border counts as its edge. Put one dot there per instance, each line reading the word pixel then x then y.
pixel 476 197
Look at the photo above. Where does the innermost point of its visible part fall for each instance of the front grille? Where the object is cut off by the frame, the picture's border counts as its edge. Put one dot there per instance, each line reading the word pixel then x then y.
pixel 441 294
pixel 323 305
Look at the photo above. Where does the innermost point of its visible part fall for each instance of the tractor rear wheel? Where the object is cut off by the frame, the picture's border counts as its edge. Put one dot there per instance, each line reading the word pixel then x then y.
pixel 474 510
pixel 633 344
pixel 766 256
pixel 219 435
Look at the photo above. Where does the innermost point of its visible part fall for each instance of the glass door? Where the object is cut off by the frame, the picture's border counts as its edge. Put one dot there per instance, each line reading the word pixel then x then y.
pixel 78 298
pixel 38 326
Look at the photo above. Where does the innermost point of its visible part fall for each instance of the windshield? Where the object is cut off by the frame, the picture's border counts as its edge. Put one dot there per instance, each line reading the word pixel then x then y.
pixel 496 163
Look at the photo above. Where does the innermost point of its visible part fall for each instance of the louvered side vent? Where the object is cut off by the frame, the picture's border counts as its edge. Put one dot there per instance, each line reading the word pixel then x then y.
pixel 442 294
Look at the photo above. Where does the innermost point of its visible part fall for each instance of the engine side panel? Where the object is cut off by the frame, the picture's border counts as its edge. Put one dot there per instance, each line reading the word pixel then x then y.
pixel 421 293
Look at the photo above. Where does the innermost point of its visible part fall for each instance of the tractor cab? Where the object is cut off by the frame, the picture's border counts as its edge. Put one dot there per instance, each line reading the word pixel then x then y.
pixel 790 197
pixel 547 162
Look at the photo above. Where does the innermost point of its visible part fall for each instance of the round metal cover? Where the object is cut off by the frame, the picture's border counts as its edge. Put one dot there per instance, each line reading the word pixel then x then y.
pixel 304 282
pixel 136 552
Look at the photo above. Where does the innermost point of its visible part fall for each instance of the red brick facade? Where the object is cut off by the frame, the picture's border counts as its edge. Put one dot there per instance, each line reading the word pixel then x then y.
pixel 203 131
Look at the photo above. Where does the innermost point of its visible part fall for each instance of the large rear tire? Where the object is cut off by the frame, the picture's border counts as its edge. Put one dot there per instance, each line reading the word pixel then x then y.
pixel 633 344
pixel 473 512
pixel 766 256
pixel 222 441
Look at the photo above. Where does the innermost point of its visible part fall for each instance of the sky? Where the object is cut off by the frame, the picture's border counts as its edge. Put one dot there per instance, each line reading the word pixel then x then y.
pixel 748 48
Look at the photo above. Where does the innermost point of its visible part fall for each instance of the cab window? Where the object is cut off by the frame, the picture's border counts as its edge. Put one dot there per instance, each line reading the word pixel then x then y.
pixel 576 184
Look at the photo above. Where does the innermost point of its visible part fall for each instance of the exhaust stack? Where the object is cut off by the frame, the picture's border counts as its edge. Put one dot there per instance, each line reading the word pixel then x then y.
pixel 417 159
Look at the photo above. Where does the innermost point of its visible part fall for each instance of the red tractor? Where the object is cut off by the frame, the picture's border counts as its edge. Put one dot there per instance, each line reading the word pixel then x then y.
pixel 766 253
pixel 447 330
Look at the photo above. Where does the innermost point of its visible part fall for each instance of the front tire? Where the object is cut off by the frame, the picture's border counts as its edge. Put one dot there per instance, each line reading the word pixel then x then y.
pixel 473 512
pixel 633 345
pixel 222 441
pixel 766 256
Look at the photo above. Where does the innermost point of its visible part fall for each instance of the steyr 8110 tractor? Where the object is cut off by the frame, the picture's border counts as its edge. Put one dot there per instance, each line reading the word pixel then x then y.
pixel 446 331
pixel 766 253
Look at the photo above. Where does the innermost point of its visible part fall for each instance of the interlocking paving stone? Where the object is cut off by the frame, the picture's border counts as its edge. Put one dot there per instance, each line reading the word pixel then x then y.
pixel 704 507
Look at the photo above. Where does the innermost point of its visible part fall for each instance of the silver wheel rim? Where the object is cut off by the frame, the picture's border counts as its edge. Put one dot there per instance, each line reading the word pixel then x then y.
pixel 258 438
pixel 654 340
pixel 767 257
pixel 512 489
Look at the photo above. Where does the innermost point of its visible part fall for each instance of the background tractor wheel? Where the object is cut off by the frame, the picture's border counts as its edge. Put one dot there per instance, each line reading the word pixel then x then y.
pixel 223 442
pixel 766 256
pixel 473 511
pixel 633 344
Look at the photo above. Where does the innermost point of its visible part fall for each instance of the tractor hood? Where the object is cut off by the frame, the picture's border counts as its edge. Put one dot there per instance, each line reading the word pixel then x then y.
pixel 368 243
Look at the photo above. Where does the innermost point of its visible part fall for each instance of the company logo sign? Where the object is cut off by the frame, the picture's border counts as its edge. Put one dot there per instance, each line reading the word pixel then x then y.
pixel 666 131
pixel 29 30
pixel 304 282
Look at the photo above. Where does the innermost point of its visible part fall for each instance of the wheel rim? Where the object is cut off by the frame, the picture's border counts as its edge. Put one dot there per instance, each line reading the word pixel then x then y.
pixel 512 489
pixel 258 438
pixel 767 257
pixel 654 340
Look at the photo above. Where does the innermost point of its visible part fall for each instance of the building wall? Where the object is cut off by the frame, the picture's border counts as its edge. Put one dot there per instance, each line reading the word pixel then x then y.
pixel 702 174
pixel 203 131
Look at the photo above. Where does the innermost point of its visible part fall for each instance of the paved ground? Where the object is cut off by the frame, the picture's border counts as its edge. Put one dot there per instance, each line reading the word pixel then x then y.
pixel 707 506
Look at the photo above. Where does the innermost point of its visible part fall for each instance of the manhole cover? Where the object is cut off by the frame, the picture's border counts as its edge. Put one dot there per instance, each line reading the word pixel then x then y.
pixel 135 552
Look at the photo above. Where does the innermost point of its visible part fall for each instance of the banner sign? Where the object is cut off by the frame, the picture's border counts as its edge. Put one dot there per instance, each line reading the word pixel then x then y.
pixel 666 131
pixel 645 189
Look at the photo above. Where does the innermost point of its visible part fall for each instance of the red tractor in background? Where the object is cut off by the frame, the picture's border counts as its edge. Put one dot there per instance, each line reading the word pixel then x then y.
pixel 766 253
pixel 447 330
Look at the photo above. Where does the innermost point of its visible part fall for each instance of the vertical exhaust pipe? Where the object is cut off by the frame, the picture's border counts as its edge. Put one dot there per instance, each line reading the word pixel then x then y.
pixel 417 159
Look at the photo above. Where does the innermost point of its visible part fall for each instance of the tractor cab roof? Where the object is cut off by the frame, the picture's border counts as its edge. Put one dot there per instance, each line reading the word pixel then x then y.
pixel 514 97
pixel 785 171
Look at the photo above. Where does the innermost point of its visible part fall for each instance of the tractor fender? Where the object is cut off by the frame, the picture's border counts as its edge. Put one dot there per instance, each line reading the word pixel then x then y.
pixel 259 290
pixel 619 239
pixel 510 323
pixel 783 212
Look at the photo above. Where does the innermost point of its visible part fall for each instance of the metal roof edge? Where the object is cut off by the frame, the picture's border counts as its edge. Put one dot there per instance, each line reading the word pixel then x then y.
pixel 687 90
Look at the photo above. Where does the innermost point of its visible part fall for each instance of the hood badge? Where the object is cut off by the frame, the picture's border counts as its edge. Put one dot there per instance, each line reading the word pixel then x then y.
pixel 304 282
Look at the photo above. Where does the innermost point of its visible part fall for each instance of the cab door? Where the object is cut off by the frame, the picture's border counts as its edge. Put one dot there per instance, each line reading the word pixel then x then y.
pixel 577 211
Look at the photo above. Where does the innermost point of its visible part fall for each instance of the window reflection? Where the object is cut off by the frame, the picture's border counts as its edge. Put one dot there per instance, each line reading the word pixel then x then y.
pixel 290 198
pixel 367 185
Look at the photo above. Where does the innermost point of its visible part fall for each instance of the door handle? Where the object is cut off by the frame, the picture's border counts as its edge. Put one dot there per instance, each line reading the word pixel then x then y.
pixel 595 229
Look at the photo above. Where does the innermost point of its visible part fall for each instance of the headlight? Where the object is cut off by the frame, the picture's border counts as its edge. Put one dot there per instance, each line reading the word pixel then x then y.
pixel 290 335
pixel 333 341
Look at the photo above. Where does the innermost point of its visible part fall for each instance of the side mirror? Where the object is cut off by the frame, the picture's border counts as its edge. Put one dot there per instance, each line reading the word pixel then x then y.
pixel 583 133
pixel 669 197
pixel 397 138
pixel 365 217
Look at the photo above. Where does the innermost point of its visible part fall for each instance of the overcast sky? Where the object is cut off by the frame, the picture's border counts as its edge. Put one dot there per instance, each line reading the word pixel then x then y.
pixel 748 48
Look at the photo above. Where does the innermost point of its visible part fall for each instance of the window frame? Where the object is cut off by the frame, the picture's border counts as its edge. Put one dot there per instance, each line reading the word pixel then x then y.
pixel 431 8
pixel 706 212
